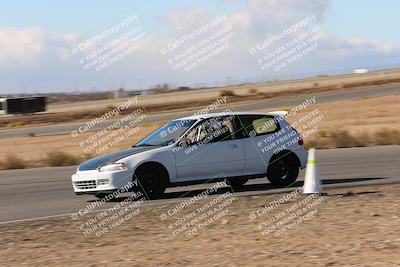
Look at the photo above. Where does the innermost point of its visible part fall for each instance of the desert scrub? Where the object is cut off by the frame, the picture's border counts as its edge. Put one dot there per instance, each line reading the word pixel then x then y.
pixel 54 159
pixel 16 124
pixel 343 139
pixel 226 93
pixel 253 91
pixel 387 137
pixel 12 163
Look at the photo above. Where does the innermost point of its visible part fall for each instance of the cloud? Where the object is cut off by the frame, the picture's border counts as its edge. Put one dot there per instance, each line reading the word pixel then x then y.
pixel 347 53
pixel 30 47
pixel 264 17
pixel 184 19
pixel 35 55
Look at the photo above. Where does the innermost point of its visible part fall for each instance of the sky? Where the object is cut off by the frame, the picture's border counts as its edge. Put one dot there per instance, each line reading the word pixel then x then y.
pixel 38 38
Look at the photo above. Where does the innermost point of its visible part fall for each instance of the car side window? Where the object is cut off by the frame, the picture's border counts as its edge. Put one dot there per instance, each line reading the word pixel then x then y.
pixel 255 125
pixel 211 130
pixel 264 126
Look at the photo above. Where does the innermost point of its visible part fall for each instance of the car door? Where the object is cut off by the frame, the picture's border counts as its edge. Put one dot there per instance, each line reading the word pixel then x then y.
pixel 210 150
pixel 257 135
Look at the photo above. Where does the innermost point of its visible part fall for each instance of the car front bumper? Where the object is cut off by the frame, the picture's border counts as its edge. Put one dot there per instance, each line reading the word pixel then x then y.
pixel 92 182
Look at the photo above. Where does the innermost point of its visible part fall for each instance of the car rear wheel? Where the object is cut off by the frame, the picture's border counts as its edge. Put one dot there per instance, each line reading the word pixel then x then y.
pixel 152 181
pixel 283 169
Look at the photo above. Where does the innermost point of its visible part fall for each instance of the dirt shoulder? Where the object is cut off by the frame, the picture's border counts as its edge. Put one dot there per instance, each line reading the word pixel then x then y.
pixel 357 226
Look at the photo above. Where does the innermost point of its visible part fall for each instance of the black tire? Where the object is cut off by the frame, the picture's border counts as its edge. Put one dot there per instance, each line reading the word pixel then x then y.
pixel 152 180
pixel 283 169
pixel 237 183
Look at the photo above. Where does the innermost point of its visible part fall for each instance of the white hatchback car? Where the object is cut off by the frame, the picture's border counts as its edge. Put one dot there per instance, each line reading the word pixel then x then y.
pixel 234 146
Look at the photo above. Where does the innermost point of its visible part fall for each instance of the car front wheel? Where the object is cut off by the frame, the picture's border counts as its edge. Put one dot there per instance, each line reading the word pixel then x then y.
pixel 152 181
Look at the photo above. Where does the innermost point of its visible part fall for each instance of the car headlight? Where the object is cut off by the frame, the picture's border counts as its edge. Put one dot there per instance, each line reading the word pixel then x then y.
pixel 113 167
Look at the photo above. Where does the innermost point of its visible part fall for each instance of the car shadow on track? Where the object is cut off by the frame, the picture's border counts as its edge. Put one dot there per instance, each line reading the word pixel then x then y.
pixel 246 188
pixel 260 187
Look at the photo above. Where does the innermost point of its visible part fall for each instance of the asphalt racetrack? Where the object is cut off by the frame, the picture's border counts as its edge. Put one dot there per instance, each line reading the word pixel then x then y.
pixel 47 192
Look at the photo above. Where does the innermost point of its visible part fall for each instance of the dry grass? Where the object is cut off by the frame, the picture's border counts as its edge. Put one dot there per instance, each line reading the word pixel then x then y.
pixel 52 159
pixel 226 93
pixel 12 162
pixel 47 147
pixel 362 119
pixel 343 139
pixel 58 158
pixel 387 137
pixel 253 91
pixel 15 124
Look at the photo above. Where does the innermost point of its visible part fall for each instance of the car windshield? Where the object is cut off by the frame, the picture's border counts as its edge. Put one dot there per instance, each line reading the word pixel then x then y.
pixel 167 134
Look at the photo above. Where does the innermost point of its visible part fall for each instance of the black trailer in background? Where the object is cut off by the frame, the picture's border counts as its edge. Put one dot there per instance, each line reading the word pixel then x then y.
pixel 22 105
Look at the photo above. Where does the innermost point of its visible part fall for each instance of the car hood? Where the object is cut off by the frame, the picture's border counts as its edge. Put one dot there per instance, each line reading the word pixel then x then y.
pixel 93 164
